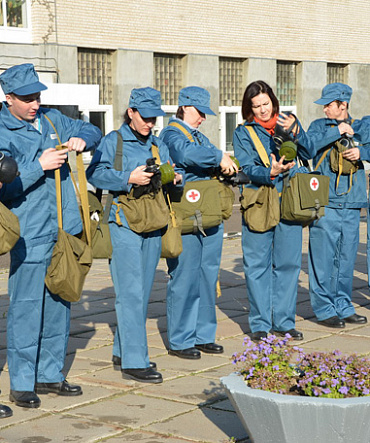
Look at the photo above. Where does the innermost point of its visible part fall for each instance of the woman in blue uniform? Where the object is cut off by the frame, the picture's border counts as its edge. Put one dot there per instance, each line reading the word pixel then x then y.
pixel 272 259
pixel 135 256
pixel 191 291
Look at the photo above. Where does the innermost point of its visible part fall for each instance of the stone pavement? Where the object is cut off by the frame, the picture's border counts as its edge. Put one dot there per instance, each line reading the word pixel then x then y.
pixel 190 405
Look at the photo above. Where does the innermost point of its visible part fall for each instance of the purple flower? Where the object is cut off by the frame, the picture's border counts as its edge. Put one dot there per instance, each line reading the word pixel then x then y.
pixel 343 390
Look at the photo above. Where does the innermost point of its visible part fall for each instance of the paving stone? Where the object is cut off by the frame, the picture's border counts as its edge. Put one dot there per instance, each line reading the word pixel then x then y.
pixel 206 425
pixel 133 411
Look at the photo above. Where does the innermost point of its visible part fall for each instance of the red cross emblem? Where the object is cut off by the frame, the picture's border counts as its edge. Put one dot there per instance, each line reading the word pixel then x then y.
pixel 192 195
pixel 314 184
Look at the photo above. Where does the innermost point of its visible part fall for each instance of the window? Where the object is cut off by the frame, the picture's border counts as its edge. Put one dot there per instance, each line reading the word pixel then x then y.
pixel 336 73
pixel 286 83
pixel 14 21
pixel 95 68
pixel 15 15
pixel 168 77
pixel 231 81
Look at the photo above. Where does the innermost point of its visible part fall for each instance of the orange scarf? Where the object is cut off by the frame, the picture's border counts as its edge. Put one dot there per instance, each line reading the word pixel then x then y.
pixel 269 125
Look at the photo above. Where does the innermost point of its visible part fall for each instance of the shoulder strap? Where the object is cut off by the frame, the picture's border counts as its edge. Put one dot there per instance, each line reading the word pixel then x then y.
pixel 155 152
pixel 259 146
pixel 322 158
pixel 82 192
pixel 183 130
pixel 118 167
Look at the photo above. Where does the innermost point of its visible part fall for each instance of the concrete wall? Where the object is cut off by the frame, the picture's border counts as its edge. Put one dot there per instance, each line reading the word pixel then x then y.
pixel 202 70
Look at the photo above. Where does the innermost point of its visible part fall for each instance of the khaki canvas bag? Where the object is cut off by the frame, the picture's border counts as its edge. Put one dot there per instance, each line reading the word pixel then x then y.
pixel 147 213
pixel 171 236
pixel 9 229
pixel 71 258
pixel 304 197
pixel 261 206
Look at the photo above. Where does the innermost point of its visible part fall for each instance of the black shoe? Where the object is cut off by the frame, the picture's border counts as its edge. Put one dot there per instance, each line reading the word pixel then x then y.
pixel 296 335
pixel 189 353
pixel 210 348
pixel 333 322
pixel 26 399
pixel 117 362
pixel 145 375
pixel 60 388
pixel 5 411
pixel 355 318
pixel 258 335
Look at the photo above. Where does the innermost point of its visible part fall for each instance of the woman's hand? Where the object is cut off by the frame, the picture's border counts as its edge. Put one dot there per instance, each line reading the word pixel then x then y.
pixel 286 121
pixel 278 167
pixel 53 159
pixel 139 177
pixel 228 167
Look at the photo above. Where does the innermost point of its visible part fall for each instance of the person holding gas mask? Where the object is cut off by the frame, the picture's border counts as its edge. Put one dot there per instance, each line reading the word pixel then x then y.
pixel 334 239
pixel 135 255
pixel 272 259
pixel 191 290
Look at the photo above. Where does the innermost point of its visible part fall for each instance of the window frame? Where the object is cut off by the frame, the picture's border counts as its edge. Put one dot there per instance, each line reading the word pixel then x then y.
pixel 9 34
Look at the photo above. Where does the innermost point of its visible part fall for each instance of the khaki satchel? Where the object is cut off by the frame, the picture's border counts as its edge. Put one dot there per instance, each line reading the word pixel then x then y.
pixel 71 258
pixel 171 236
pixel 199 207
pixel 144 214
pixel 100 235
pixel 227 197
pixel 261 208
pixel 9 229
pixel 147 213
pixel 304 197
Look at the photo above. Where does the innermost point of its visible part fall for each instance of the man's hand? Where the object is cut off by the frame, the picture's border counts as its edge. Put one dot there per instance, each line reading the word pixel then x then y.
pixel 352 154
pixel 345 128
pixel 53 159
pixel 75 144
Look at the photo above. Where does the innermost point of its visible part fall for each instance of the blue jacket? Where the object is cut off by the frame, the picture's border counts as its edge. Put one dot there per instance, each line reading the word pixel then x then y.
pixel 250 160
pixel 195 157
pixel 31 196
pixel 322 134
pixel 101 172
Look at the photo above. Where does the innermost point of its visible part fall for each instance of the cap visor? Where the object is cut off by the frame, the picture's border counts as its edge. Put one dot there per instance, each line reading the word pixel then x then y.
pixel 150 112
pixel 324 101
pixel 30 89
pixel 205 110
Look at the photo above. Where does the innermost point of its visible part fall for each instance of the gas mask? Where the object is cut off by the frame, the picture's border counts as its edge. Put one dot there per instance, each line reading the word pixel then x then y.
pixel 287 144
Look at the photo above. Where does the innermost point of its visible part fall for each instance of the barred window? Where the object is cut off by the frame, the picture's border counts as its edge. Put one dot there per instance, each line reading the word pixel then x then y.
pixel 231 81
pixel 286 82
pixel 336 73
pixel 95 68
pixel 168 77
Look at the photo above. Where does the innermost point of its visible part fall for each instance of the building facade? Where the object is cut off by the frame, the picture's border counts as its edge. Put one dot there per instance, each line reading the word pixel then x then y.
pixel 112 46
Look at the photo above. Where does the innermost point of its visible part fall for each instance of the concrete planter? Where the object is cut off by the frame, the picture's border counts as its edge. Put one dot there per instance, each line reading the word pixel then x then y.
pixel 277 418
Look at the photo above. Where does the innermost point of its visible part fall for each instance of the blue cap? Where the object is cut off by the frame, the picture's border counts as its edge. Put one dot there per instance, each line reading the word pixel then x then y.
pixel 335 91
pixel 147 101
pixel 21 80
pixel 197 97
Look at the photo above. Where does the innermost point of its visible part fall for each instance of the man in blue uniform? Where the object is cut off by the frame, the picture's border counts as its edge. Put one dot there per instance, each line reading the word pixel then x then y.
pixel 38 321
pixel 334 238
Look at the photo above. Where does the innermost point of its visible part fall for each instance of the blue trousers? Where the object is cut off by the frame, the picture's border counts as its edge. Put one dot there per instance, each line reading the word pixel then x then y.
pixel 332 254
pixel 134 261
pixel 191 290
pixel 272 262
pixel 38 321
